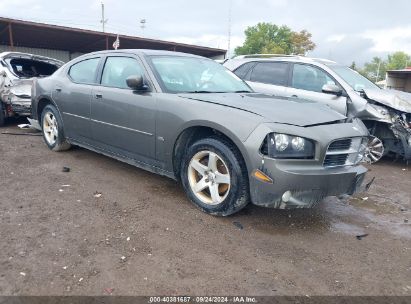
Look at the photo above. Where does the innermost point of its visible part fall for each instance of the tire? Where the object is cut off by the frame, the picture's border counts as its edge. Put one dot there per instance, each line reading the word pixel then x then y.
pixel 2 115
pixel 52 129
pixel 218 171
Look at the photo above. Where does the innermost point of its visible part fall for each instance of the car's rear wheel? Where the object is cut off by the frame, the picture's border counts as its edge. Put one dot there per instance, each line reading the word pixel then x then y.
pixel 2 115
pixel 52 127
pixel 214 177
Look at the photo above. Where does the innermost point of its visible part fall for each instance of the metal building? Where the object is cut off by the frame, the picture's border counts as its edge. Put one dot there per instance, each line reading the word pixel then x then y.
pixel 399 80
pixel 65 43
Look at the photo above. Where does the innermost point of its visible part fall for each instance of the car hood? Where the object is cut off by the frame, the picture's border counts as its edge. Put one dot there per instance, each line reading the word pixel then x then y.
pixel 398 100
pixel 283 110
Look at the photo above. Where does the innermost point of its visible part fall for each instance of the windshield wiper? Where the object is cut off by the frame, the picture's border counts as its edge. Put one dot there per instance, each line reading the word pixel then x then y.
pixel 243 91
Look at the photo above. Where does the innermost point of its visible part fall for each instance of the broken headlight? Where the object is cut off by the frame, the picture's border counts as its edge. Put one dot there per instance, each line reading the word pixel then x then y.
pixel 278 145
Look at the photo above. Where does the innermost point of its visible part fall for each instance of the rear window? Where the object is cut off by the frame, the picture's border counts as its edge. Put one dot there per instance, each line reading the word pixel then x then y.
pixel 27 68
pixel 85 71
pixel 243 70
pixel 271 73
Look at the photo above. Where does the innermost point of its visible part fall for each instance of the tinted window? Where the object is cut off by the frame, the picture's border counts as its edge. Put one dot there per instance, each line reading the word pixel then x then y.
pixel 118 69
pixel 84 71
pixel 306 77
pixel 270 72
pixel 243 70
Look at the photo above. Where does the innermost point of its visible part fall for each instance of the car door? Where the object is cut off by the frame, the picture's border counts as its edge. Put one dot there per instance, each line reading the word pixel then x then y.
pixel 72 93
pixel 307 82
pixel 269 78
pixel 122 119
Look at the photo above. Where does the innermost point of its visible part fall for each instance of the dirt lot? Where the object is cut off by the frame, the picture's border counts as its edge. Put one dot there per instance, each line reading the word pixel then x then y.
pixel 143 237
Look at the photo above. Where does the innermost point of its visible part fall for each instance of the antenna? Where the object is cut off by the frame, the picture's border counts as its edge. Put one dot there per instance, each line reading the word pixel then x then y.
pixel 229 28
pixel 103 21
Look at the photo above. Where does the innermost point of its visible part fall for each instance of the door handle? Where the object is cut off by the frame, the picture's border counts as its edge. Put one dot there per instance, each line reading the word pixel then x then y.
pixel 98 96
pixel 58 89
pixel 294 96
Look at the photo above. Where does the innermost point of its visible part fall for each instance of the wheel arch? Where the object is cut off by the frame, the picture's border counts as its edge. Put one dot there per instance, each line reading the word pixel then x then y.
pixel 192 133
pixel 380 129
pixel 42 103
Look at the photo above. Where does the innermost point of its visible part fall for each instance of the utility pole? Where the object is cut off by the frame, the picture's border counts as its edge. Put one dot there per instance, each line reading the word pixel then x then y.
pixel 143 25
pixel 378 71
pixel 229 28
pixel 103 21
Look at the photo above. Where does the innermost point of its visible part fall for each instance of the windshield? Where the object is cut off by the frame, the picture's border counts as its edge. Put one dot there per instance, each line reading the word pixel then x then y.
pixel 353 78
pixel 179 74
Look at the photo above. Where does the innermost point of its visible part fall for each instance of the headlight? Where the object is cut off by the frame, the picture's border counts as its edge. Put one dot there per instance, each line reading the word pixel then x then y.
pixel 288 146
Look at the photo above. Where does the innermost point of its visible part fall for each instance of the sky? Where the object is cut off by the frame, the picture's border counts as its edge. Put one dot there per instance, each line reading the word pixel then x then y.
pixel 344 31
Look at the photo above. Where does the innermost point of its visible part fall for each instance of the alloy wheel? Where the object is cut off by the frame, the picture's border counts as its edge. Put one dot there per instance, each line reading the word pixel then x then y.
pixel 374 150
pixel 209 177
pixel 50 128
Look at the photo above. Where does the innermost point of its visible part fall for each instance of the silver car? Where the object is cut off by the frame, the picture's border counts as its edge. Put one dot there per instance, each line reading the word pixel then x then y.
pixel 189 118
pixel 386 113
pixel 17 71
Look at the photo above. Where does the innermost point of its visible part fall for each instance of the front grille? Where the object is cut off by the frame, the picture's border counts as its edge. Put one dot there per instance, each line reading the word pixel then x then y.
pixel 335 160
pixel 343 152
pixel 343 144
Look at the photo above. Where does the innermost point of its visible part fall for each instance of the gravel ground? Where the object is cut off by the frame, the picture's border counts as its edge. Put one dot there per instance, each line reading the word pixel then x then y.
pixel 108 228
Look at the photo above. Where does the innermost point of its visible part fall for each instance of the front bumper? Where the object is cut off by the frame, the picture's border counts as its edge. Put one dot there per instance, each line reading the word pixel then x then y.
pixel 302 183
pixel 304 188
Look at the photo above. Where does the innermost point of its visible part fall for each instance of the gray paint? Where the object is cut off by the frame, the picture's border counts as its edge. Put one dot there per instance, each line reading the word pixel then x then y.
pixel 142 128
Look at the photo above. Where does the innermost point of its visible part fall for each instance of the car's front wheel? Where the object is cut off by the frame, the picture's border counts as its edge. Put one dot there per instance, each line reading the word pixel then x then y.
pixel 374 150
pixel 52 127
pixel 215 177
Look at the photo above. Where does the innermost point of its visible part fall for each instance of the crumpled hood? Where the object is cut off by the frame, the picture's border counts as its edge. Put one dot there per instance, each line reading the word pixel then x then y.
pixel 398 100
pixel 284 110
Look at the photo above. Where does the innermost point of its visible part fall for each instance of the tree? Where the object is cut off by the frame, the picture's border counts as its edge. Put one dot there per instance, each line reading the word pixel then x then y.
pixel 268 38
pixel 301 42
pixel 375 70
pixel 398 60
pixel 353 66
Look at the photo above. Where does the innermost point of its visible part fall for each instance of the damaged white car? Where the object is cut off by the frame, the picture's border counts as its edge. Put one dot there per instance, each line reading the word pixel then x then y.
pixel 17 71
pixel 386 113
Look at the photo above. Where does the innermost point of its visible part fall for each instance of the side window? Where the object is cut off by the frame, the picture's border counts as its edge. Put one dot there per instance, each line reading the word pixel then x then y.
pixel 306 77
pixel 84 71
pixel 243 69
pixel 271 73
pixel 118 69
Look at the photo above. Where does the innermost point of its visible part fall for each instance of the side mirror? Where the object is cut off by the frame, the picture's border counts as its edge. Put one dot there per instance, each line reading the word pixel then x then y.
pixel 136 82
pixel 332 89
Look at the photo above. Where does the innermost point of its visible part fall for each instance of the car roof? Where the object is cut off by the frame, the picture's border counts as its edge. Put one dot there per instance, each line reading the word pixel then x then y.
pixel 240 60
pixel 147 52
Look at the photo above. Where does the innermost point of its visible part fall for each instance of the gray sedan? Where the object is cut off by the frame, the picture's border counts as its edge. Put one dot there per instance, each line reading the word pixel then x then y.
pixel 189 118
